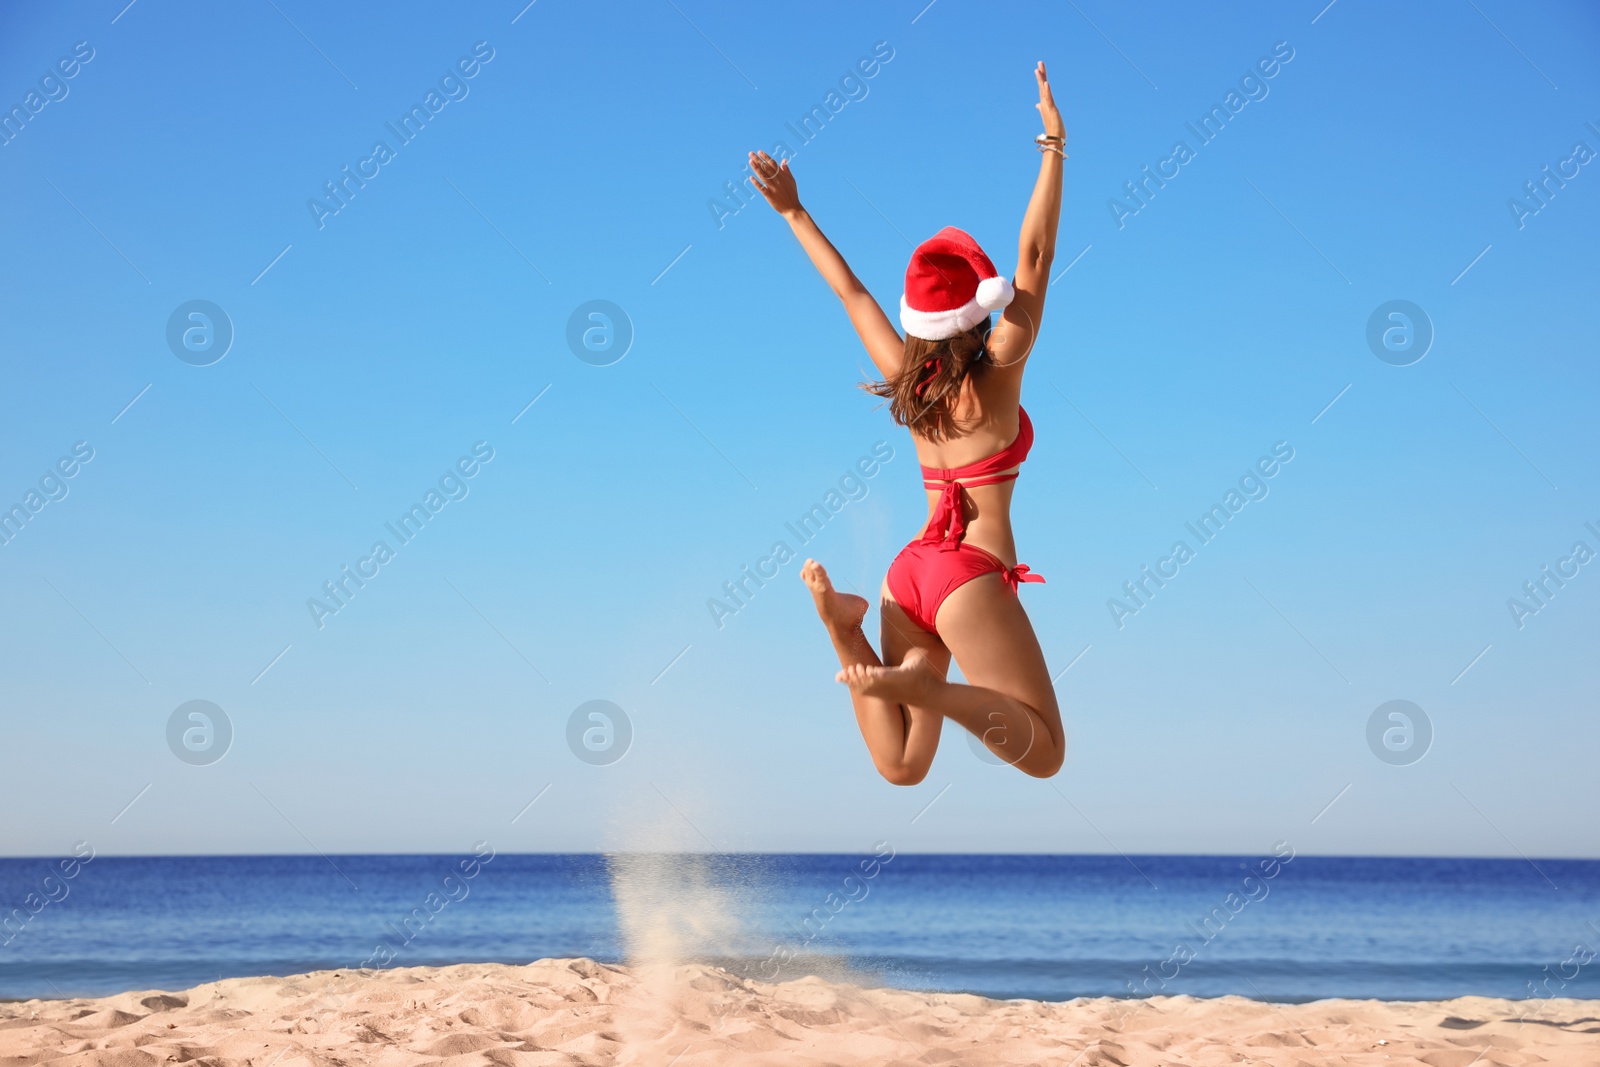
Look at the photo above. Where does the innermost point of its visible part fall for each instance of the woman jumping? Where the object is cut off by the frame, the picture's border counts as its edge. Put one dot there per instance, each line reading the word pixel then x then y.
pixel 956 384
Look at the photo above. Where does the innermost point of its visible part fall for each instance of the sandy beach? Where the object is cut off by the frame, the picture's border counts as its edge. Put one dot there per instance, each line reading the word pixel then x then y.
pixel 577 1011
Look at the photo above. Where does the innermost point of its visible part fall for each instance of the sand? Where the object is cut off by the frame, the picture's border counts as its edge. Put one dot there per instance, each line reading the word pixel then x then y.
pixel 577 1011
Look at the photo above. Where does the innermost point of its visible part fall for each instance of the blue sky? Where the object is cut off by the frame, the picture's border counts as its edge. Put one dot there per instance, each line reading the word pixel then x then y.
pixel 581 161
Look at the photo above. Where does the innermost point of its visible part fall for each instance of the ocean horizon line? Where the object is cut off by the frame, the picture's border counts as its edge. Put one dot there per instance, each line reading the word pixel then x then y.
pixel 1511 858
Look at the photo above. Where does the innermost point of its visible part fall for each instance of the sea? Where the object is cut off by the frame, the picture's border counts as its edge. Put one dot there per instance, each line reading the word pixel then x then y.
pixel 1272 927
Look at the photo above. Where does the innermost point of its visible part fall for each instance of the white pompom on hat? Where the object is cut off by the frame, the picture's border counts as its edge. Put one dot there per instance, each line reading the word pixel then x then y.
pixel 951 286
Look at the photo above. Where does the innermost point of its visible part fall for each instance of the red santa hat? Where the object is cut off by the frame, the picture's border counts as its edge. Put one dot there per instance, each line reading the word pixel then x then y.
pixel 951 286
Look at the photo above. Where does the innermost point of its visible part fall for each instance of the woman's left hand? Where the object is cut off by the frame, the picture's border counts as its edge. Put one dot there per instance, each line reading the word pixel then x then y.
pixel 775 181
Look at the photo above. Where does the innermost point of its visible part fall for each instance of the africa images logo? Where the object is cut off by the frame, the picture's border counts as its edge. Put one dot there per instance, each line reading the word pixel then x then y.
pixel 452 87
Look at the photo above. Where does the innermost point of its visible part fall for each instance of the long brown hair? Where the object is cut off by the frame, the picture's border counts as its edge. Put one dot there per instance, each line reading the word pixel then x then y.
pixel 922 393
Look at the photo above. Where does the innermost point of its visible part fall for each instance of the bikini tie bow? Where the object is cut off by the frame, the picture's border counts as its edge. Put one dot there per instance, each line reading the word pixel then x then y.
pixel 1019 574
pixel 948 527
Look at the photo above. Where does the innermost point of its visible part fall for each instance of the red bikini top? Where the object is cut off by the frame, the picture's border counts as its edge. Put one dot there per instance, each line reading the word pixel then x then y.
pixel 948 525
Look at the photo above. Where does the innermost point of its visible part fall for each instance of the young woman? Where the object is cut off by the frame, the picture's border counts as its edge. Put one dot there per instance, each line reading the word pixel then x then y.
pixel 956 384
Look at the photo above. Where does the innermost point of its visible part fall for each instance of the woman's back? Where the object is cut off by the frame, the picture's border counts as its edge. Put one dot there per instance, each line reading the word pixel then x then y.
pixel 984 415
pixel 988 419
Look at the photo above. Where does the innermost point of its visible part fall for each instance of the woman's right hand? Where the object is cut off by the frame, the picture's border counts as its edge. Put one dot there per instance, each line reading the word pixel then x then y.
pixel 775 181
pixel 1053 126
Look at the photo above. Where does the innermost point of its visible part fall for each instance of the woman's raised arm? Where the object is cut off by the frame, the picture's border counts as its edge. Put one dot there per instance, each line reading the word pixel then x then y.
pixel 775 182
pixel 1012 339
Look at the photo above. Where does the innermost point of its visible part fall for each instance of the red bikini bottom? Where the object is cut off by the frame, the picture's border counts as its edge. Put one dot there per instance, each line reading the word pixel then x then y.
pixel 926 572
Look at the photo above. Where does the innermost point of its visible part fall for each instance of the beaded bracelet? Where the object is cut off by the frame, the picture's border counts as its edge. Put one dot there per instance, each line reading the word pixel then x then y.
pixel 1047 143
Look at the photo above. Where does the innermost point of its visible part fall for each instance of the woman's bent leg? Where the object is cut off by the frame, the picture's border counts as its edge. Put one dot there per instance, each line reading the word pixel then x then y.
pixel 901 740
pixel 1009 701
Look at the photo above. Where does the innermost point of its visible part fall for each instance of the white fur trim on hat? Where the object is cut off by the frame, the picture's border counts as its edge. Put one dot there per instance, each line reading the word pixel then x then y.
pixel 937 325
pixel 995 293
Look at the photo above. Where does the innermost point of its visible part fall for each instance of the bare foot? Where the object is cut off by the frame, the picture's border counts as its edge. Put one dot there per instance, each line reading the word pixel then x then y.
pixel 841 612
pixel 908 683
